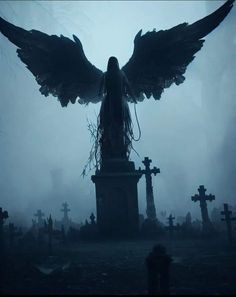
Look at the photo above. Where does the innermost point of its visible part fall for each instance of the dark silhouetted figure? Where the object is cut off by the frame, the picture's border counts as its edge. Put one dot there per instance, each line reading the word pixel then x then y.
pixel 92 219
pixel 228 219
pixel 207 226
pixel 158 267
pixel 150 210
pixel 114 129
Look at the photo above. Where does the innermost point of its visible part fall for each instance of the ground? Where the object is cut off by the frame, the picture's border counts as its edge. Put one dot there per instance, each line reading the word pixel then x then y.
pixel 118 267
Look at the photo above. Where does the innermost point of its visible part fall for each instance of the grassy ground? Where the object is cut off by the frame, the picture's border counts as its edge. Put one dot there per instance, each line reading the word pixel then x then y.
pixel 118 267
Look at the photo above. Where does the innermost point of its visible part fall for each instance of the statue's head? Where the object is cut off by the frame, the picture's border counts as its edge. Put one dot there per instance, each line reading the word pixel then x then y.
pixel 112 64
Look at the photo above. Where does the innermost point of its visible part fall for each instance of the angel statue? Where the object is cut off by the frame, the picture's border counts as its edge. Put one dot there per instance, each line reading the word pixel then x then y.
pixel 159 59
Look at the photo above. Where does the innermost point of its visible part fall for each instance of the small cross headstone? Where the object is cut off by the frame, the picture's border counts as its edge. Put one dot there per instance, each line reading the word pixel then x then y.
pixel 158 268
pixel 39 214
pixel 65 210
pixel 228 219
pixel 92 219
pixel 151 210
pixel 203 198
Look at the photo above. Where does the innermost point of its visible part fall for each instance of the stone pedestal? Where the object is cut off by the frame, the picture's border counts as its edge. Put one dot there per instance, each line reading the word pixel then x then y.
pixel 117 198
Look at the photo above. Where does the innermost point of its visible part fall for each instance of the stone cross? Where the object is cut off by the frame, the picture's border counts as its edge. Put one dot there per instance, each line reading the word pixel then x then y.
pixel 171 226
pixel 203 198
pixel 228 219
pixel 151 210
pixel 65 210
pixel 39 214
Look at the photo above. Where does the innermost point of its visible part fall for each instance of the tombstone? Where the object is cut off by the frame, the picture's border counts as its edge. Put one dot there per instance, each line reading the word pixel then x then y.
pixel 158 269
pixel 39 214
pixel 188 219
pixel 171 226
pixel 150 210
pixel 92 219
pixel 207 226
pixel 228 219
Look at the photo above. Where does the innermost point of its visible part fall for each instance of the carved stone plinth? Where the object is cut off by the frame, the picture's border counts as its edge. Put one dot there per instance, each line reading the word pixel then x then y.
pixel 117 198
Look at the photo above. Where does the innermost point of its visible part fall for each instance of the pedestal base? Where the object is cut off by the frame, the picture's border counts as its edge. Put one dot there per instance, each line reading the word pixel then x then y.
pixel 117 198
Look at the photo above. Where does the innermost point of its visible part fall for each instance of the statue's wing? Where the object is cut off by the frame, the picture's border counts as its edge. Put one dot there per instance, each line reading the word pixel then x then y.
pixel 160 58
pixel 58 64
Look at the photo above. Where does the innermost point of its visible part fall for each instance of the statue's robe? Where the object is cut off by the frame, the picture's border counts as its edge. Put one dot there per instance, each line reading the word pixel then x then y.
pixel 115 130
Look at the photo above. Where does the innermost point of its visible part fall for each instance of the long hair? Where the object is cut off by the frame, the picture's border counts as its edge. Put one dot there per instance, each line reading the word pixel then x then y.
pixel 113 64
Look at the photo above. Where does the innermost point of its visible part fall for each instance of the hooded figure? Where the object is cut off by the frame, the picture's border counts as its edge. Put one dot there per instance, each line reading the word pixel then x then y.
pixel 115 127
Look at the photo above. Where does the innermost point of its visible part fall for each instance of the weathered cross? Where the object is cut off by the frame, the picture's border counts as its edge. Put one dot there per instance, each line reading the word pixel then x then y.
pixel 151 210
pixel 227 213
pixel 65 210
pixel 39 214
pixel 171 226
pixel 203 198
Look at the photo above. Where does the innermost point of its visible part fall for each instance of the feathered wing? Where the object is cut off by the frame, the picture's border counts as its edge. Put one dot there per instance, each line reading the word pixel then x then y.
pixel 161 58
pixel 58 64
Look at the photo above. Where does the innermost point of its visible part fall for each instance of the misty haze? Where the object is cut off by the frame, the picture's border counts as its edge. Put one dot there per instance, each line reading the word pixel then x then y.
pixel 189 134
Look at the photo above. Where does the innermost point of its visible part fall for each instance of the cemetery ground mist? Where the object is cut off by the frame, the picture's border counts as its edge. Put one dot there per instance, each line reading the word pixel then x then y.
pixel 118 267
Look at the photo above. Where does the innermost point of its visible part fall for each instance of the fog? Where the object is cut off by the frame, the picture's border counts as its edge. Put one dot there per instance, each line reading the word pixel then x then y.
pixel 189 134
